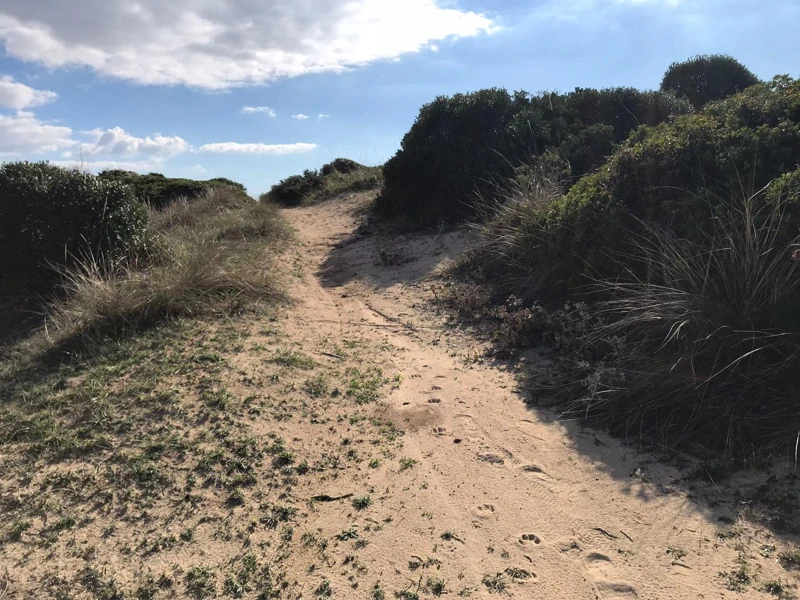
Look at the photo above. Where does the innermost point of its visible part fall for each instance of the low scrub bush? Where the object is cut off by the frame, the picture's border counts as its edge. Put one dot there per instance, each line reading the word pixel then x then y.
pixel 50 216
pixel 706 344
pixel 157 191
pixel 337 177
pixel 462 146
pixel 209 253
pixel 684 254
pixel 680 176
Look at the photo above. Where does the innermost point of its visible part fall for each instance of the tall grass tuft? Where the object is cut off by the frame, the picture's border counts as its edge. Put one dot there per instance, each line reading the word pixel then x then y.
pixel 211 253
pixel 702 341
pixel 511 248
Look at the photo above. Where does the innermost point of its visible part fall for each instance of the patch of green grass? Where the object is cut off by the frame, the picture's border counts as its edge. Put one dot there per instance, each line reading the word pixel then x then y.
pixel 201 583
pixel 17 529
pixel 317 387
pixel 293 359
pixel 364 386
pixel 99 588
pixel 738 580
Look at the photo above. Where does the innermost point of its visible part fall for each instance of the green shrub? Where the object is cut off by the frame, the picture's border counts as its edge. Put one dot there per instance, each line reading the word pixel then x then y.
pixel 706 78
pixel 679 175
pixel 50 216
pixel 296 188
pixel 157 191
pixel 337 177
pixel 461 147
pixel 340 165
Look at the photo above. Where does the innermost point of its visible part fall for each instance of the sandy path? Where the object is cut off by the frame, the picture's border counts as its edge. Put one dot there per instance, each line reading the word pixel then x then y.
pixel 590 518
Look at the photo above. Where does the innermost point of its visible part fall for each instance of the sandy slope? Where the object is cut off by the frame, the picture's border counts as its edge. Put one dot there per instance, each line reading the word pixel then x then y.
pixel 518 489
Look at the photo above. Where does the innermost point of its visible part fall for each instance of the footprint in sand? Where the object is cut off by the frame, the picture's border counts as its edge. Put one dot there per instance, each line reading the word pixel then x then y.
pixel 467 424
pixel 527 538
pixel 602 572
pixel 440 431
pixel 484 511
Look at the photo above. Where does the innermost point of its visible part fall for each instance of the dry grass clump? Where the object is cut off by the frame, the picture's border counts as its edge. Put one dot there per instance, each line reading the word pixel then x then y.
pixel 705 345
pixel 210 253
pixel 691 341
pixel 511 248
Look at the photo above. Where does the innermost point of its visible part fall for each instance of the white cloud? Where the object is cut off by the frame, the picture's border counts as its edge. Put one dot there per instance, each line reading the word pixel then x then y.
pixel 321 116
pixel 226 43
pixel 233 147
pixel 23 133
pixel 116 141
pixel 251 110
pixel 18 96
pixel 300 117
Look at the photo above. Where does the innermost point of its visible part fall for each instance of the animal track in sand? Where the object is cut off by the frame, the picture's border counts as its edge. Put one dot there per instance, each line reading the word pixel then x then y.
pixel 529 537
pixel 440 431
pixel 484 511
pixel 434 401
pixel 491 458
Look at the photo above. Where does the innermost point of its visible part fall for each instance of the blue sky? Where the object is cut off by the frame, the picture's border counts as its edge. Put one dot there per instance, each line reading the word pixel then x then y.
pixel 163 86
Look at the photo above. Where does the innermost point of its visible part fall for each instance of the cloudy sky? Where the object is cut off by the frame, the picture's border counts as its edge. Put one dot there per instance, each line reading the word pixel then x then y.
pixel 256 90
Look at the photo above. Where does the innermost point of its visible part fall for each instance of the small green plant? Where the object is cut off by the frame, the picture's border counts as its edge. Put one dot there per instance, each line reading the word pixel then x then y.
pixel 374 463
pixel 347 534
pixel 364 386
pixel 518 574
pixel 790 559
pixel 17 529
pixel 293 359
pixel 496 584
pixel 738 580
pixel 201 583
pixel 317 387
pixel 362 502
pixel 406 595
pixel 676 553
pixel 776 588
pixel 436 586
pixel 407 463
pixel 324 589
pixel 377 593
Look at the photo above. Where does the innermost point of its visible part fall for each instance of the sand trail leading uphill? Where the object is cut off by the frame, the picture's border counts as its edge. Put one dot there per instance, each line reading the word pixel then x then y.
pixel 502 498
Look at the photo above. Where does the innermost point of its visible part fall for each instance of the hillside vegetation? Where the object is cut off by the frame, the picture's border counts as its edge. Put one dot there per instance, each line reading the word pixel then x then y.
pixel 334 178
pixel 669 222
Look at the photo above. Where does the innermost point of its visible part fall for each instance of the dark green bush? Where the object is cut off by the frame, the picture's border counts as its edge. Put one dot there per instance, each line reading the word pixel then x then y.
pixel 53 216
pixel 334 178
pixel 158 191
pixel 680 175
pixel 340 165
pixel 707 78
pixel 460 147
